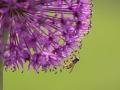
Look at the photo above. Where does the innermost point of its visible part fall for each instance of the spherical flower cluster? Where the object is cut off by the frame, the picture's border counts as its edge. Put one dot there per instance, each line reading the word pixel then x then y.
pixel 42 32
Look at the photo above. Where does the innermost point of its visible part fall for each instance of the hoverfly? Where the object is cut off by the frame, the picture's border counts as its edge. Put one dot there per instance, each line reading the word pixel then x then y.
pixel 72 63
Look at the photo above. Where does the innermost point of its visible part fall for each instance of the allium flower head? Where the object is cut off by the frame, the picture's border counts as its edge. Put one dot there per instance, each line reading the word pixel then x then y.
pixel 43 32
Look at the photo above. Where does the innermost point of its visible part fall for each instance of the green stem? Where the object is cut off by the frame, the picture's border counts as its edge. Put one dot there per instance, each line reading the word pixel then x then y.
pixel 1 74
pixel 5 38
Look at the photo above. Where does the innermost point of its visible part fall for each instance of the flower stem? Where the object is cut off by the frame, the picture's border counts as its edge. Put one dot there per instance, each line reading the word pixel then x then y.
pixel 5 38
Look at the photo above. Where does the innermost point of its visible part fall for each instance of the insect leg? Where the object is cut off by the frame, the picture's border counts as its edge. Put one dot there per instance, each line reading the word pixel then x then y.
pixel 60 70
pixel 64 65
pixel 6 69
pixel 71 69
pixel 55 69
pixel 49 68
pixel 74 55
pixel 71 58
pixel 45 70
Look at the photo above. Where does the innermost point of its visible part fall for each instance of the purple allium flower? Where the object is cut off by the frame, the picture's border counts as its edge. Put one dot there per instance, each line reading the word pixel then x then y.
pixel 42 32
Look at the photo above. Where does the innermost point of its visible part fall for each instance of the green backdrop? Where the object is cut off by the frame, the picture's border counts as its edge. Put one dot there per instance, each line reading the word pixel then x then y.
pixel 99 68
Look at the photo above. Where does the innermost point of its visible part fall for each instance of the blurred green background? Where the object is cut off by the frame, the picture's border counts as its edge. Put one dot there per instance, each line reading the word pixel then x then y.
pixel 99 68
